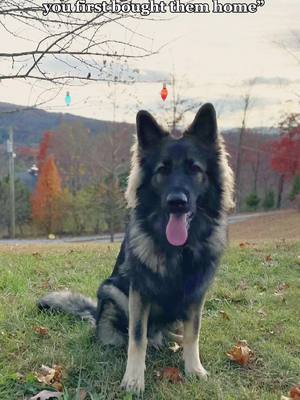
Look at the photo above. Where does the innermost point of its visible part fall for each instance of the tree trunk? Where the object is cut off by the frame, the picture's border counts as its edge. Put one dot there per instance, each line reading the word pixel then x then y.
pixel 111 231
pixel 238 170
pixel 280 190
pixel 239 153
pixel 256 171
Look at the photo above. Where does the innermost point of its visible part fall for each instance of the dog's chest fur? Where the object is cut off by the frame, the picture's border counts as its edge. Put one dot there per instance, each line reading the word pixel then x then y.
pixel 180 281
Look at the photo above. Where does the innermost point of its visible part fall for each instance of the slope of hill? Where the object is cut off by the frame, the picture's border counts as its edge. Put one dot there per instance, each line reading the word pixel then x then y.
pixel 30 124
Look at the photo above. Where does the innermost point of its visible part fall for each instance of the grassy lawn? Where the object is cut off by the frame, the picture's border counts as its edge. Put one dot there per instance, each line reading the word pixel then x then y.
pixel 244 289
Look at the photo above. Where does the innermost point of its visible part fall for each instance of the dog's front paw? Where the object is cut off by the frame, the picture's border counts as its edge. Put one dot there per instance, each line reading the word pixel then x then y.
pixel 196 370
pixel 134 382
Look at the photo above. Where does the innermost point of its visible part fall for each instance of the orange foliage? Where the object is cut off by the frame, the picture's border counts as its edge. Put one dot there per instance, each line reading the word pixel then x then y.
pixel 44 149
pixel 45 199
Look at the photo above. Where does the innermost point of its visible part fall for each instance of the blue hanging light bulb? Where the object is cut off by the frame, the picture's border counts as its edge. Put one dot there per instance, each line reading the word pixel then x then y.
pixel 68 99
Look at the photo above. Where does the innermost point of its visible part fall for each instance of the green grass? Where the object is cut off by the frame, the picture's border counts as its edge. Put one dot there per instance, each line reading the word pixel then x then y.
pixel 245 285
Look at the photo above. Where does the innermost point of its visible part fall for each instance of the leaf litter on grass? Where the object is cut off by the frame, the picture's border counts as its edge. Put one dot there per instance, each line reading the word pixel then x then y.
pixel 241 353
pixel 293 395
pixel 50 376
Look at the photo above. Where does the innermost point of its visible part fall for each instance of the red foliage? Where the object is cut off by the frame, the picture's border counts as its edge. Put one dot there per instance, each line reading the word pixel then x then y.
pixel 286 153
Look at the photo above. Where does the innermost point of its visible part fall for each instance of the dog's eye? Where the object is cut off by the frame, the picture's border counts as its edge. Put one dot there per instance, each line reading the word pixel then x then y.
pixel 163 169
pixel 195 168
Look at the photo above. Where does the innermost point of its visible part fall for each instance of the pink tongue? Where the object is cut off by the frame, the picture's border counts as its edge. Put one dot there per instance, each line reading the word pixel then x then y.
pixel 177 230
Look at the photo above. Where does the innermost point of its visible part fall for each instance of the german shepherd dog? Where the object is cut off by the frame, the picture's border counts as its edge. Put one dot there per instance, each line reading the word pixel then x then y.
pixel 179 192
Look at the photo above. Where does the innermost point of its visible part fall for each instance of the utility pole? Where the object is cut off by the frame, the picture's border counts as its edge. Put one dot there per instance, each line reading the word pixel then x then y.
pixel 11 160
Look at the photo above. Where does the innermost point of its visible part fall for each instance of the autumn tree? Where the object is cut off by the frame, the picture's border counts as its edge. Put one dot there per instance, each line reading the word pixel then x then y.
pixel 45 199
pixel 44 149
pixel 286 157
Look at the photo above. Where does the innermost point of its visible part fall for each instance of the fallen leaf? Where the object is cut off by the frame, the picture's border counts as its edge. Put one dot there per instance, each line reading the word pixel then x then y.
pixel 295 393
pixel 268 258
pixel 50 376
pixel 46 395
pixel 36 254
pixel 224 315
pixel 246 244
pixel 57 386
pixel 262 312
pixel 175 347
pixel 240 353
pixel 281 288
pixel 41 330
pixel 170 374
pixel 82 394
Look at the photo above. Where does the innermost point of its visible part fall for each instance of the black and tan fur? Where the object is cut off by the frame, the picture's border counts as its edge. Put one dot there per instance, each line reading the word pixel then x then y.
pixel 157 289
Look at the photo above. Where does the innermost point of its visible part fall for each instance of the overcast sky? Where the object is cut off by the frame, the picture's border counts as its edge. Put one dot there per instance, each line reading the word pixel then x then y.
pixel 214 56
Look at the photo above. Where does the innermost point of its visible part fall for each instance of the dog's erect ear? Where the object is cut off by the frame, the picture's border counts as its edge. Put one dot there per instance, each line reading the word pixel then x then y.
pixel 204 126
pixel 149 133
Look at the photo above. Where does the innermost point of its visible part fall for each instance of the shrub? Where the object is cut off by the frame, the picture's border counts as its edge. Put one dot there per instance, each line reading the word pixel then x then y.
pixel 252 201
pixel 269 200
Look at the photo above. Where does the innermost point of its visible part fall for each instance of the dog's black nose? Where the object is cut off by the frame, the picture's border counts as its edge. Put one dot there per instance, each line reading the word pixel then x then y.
pixel 177 202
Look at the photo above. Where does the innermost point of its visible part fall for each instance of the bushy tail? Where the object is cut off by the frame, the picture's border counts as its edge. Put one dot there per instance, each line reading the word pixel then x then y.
pixel 70 303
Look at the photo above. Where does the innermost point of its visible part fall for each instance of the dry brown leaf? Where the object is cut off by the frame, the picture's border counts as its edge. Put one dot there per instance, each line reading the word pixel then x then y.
pixel 57 386
pixel 50 376
pixel 268 258
pixel 224 315
pixel 295 393
pixel 82 394
pixel 170 374
pixel 240 353
pixel 281 288
pixel 262 312
pixel 37 254
pixel 175 347
pixel 41 330
pixel 46 395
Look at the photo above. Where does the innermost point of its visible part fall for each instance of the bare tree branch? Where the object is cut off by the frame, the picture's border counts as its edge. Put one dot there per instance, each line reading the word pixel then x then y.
pixel 67 37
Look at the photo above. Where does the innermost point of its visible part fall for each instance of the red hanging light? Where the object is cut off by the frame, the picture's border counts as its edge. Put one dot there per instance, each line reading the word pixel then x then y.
pixel 164 92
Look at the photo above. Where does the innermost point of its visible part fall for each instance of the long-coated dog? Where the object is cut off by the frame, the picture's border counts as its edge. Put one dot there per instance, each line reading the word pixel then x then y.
pixel 179 193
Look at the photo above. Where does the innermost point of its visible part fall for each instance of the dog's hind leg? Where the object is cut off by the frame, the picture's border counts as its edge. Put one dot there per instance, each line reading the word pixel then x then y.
pixel 133 380
pixel 191 331
pixel 107 321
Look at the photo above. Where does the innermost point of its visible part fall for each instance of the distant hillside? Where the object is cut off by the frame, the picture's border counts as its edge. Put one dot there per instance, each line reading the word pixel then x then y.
pixel 30 124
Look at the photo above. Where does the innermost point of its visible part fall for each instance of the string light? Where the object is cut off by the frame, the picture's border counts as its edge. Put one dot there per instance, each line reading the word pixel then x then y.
pixel 164 92
pixel 68 99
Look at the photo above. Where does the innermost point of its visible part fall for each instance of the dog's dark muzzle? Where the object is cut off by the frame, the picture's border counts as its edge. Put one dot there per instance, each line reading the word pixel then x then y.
pixel 177 203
